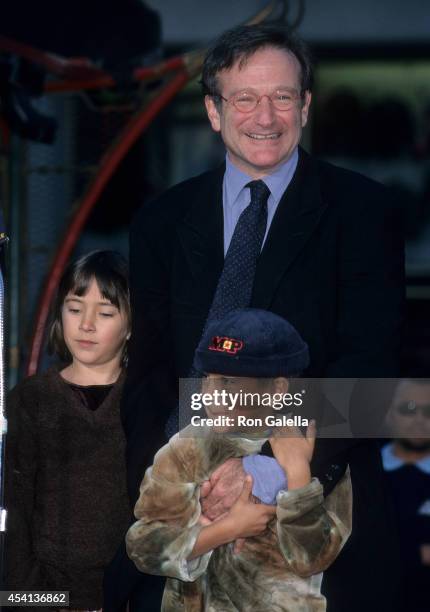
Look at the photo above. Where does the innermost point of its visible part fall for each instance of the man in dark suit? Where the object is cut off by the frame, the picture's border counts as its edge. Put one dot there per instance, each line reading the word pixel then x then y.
pixel 331 263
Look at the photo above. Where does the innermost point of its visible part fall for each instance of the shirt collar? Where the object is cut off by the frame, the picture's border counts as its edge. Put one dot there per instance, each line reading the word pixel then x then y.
pixel 391 462
pixel 277 181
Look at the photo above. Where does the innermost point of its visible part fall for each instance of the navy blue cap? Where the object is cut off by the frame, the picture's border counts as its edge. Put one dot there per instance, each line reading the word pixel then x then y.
pixel 254 343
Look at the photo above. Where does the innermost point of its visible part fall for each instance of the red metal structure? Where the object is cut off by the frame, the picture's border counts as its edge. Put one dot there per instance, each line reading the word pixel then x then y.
pixel 78 74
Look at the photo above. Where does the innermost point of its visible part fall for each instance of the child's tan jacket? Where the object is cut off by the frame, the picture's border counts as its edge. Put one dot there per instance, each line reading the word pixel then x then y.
pixel 277 571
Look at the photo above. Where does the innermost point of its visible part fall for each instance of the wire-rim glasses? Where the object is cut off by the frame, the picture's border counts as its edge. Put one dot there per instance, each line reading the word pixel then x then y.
pixel 247 101
pixel 409 409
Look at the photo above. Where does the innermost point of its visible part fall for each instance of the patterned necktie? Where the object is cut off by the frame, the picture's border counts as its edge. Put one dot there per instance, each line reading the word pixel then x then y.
pixel 235 284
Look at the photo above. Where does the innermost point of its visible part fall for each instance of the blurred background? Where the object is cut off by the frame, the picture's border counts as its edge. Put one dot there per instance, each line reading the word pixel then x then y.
pixel 89 131
pixel 60 126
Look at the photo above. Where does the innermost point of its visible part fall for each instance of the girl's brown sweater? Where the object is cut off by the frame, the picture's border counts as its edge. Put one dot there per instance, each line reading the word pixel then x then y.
pixel 65 488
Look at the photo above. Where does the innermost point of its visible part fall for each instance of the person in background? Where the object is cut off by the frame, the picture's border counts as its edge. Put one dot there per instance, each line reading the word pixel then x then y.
pixel 68 508
pixel 406 461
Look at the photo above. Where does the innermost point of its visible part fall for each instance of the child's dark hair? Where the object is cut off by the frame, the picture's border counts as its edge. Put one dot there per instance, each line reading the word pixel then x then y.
pixel 110 270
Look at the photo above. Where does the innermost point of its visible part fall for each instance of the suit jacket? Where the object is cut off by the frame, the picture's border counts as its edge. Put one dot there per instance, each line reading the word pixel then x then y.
pixel 332 264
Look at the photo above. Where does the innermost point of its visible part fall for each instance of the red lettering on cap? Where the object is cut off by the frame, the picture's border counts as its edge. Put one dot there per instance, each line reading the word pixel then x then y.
pixel 225 345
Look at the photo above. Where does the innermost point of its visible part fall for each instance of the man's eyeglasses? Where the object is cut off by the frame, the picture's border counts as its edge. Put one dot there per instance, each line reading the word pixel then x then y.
pixel 246 101
pixel 410 409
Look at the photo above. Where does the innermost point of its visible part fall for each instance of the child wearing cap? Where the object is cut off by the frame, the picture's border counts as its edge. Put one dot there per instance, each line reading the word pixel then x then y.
pixel 288 545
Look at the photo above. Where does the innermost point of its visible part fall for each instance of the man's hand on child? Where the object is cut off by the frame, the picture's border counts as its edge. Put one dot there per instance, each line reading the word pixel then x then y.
pixel 244 519
pixel 294 451
pixel 226 485
pixel 206 489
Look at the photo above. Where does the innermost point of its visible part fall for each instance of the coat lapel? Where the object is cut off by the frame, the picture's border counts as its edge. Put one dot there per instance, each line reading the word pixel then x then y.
pixel 296 217
pixel 201 235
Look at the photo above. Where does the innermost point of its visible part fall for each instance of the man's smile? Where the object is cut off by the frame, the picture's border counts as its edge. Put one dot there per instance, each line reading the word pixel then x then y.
pixel 273 136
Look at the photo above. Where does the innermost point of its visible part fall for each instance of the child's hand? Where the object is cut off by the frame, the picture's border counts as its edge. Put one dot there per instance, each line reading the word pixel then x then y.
pixel 293 452
pixel 245 517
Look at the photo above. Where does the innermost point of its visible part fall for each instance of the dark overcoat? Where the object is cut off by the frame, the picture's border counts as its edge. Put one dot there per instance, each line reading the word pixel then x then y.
pixel 332 264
